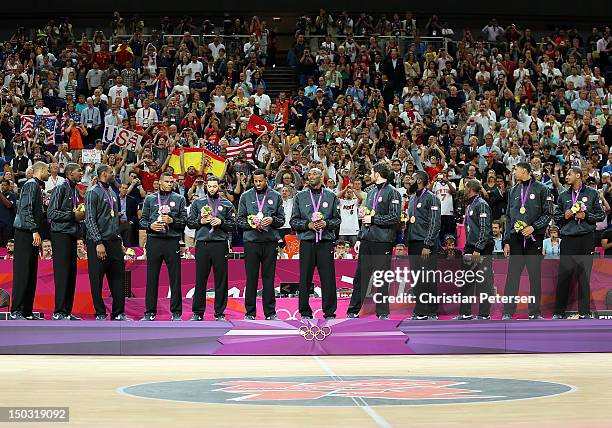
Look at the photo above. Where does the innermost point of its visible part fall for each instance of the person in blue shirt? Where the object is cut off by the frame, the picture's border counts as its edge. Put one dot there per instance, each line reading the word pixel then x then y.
pixel 498 238
pixel 552 244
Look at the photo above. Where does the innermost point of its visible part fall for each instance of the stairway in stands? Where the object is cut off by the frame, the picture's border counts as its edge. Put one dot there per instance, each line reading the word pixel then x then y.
pixel 278 79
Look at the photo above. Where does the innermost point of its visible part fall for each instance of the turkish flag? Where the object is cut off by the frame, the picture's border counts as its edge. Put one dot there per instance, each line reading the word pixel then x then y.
pixel 258 126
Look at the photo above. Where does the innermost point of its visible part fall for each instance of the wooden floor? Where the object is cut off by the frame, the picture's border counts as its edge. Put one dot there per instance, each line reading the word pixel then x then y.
pixel 89 386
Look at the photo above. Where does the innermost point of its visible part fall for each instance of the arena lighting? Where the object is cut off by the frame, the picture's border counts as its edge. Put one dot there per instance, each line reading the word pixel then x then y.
pixel 276 18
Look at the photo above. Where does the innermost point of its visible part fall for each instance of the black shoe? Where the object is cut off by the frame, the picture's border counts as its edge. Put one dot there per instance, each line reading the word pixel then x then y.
pixel 100 317
pixel 121 317
pixel 249 317
pixel 462 318
pixel 535 317
pixel 176 317
pixel 35 317
pixel 59 317
pixel 433 317
pixel 419 317
pixel 220 318
pixel 330 317
pixel 558 317
pixel 73 318
pixel 17 316
pixel 483 317
pixel 148 317
pixel 352 315
pixel 506 317
pixel 272 318
pixel 197 317
pixel 383 316
pixel 306 317
pixel 586 317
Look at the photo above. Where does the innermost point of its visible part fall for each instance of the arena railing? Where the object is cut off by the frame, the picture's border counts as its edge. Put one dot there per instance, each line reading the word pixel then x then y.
pixel 315 40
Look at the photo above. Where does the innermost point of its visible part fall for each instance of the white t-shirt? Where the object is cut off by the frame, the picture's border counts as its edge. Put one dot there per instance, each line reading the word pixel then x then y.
pixel 220 103
pixel 288 208
pixel 214 49
pixel 349 217
pixel 442 192
pixel 183 93
pixel 193 68
pixel 116 91
pixel 190 232
pixel 263 102
pixel 52 183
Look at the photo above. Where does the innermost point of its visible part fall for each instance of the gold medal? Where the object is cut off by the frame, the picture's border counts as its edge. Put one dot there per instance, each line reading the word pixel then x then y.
pixel 523 210
pixel 112 213
pixel 412 219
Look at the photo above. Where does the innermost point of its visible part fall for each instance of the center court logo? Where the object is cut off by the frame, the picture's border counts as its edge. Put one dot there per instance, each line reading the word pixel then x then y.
pixel 324 391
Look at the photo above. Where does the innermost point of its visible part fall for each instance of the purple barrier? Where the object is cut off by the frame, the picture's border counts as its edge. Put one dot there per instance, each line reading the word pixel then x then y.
pixel 288 271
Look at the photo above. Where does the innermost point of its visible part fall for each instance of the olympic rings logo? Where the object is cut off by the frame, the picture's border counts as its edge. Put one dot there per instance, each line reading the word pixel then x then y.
pixel 314 332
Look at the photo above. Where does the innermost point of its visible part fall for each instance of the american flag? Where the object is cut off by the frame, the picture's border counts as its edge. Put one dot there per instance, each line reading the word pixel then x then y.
pixel 246 146
pixel 30 121
pixel 212 147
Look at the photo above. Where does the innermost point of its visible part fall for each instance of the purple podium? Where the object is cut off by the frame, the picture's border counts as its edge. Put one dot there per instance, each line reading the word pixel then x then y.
pixel 317 337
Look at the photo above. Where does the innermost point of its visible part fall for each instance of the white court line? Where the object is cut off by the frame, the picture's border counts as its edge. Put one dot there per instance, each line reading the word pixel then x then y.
pixel 359 402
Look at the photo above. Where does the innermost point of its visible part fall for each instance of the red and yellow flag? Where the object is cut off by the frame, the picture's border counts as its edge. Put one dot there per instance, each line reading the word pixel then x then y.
pixel 193 157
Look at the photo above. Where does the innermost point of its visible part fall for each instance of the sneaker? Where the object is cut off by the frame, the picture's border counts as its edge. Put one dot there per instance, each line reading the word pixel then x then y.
pixel 176 317
pixel 35 317
pixel 121 317
pixel 433 317
pixel 73 317
pixel 272 318
pixel 330 317
pixel 220 318
pixel 352 315
pixel 306 317
pixel 506 317
pixel 17 316
pixel 197 317
pixel 558 317
pixel 535 317
pixel 383 316
pixel 59 317
pixel 586 317
pixel 483 317
pixel 462 318
pixel 100 317
pixel 249 317
pixel 419 317
pixel 148 317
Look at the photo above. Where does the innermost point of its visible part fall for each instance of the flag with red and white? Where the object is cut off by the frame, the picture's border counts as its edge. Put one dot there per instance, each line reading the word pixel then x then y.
pixel 258 126
pixel 30 122
pixel 246 146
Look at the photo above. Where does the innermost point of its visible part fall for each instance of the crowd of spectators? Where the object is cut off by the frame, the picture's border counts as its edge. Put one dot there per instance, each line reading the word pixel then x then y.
pixel 421 97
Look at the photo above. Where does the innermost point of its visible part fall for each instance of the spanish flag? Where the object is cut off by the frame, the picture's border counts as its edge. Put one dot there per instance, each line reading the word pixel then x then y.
pixel 193 157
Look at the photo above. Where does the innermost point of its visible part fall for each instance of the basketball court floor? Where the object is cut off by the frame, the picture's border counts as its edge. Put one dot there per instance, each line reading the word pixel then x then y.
pixel 536 390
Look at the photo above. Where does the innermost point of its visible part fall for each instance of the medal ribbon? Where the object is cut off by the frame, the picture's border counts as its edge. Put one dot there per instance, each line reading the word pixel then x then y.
pixel 159 201
pixel 575 196
pixel 414 206
pixel 524 194
pixel 215 208
pixel 108 197
pixel 375 201
pixel 315 208
pixel 260 205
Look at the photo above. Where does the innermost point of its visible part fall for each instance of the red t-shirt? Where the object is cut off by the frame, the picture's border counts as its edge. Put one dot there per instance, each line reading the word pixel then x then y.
pixel 433 171
pixel 189 180
pixel 148 178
